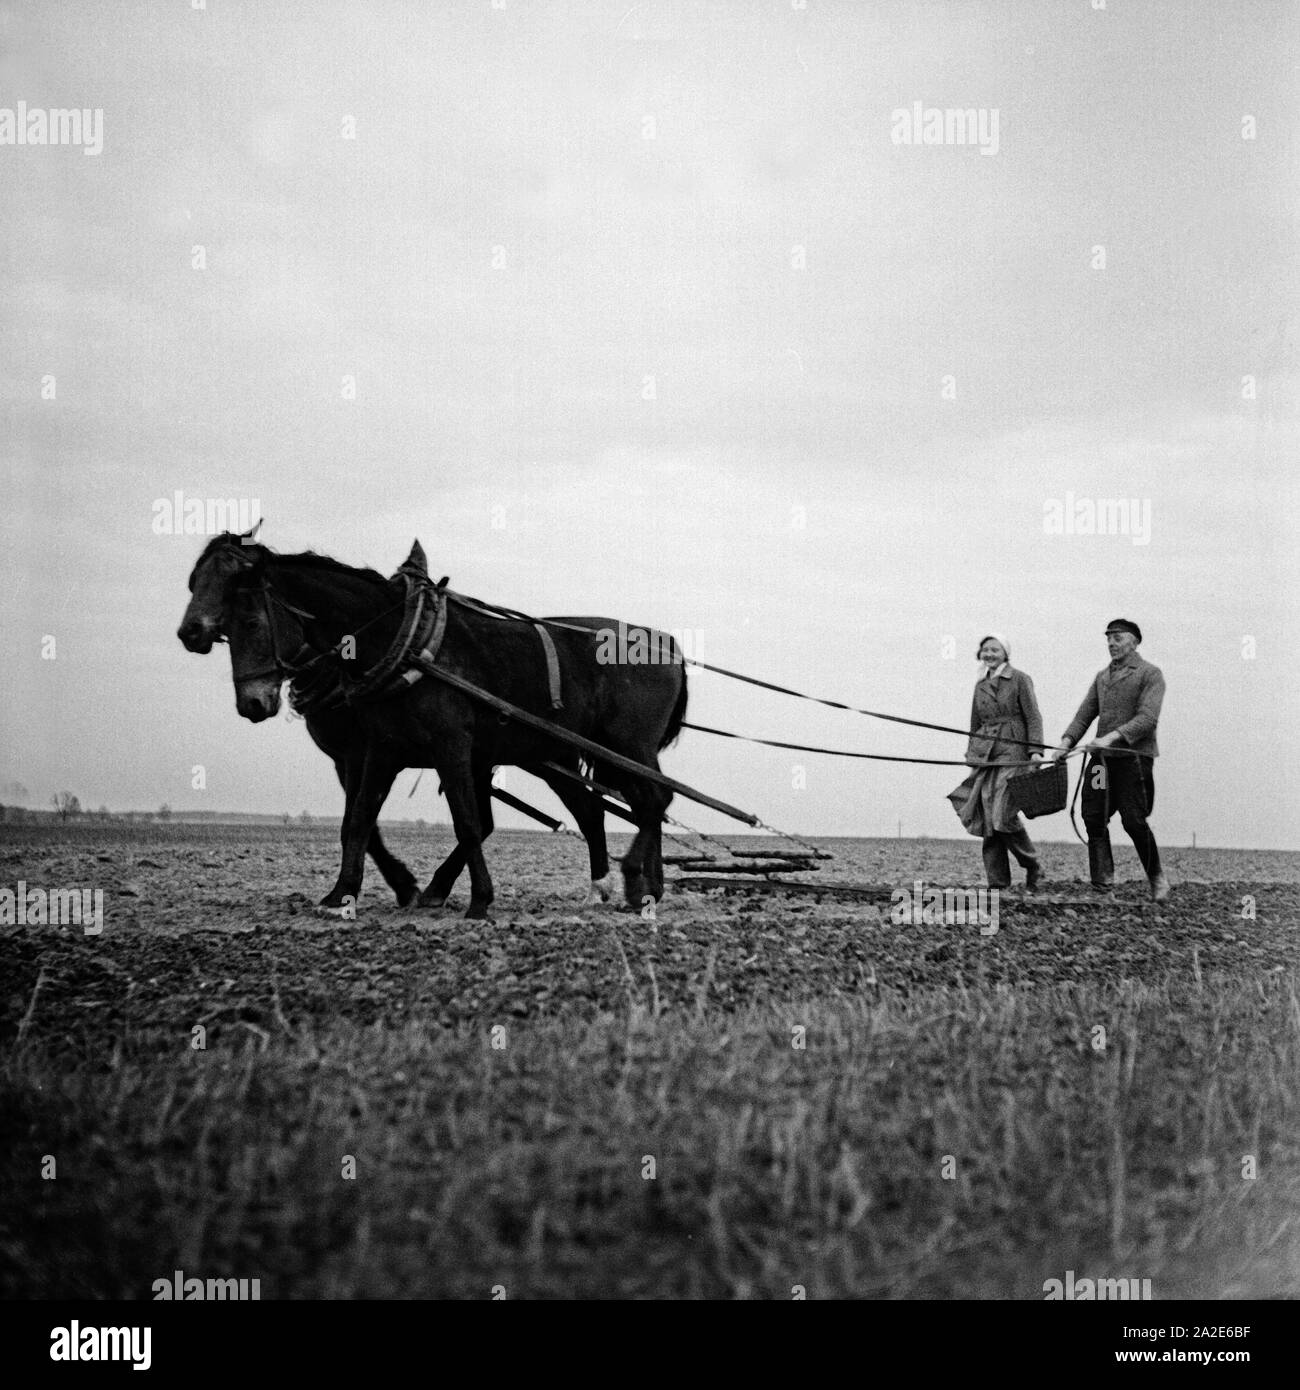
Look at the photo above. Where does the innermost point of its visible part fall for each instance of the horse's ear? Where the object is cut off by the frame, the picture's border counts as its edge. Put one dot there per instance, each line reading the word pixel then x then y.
pixel 249 537
pixel 416 560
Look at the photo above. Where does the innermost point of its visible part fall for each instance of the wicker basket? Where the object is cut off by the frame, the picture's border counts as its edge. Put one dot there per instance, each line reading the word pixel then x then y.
pixel 1040 790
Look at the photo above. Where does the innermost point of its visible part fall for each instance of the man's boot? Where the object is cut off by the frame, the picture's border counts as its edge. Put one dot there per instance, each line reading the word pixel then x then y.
pixel 1159 887
pixel 1101 866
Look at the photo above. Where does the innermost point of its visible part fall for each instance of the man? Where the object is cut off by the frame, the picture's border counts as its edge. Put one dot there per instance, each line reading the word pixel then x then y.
pixel 1125 700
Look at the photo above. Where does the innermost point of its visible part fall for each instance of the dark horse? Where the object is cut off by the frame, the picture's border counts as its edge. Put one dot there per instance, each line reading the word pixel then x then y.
pixel 334 729
pixel 301 608
pixel 251 629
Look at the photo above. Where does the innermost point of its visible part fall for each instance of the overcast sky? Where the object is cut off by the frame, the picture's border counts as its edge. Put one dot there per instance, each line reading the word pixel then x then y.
pixel 650 314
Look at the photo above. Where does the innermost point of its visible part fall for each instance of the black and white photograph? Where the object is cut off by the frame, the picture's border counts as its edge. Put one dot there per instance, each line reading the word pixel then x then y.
pixel 648 656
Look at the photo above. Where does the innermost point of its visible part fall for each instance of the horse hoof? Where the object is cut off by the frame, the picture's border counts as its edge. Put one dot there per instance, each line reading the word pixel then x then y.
pixel 405 896
pixel 599 892
pixel 477 914
pixel 432 903
pixel 337 914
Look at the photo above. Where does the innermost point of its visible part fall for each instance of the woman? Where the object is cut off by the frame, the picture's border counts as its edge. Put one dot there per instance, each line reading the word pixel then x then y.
pixel 1003 709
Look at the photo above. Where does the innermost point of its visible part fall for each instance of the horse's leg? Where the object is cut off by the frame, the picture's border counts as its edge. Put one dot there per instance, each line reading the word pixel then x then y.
pixel 642 864
pixel 589 816
pixel 483 790
pixel 446 874
pixel 351 777
pixel 444 878
pixel 460 782
pixel 656 862
pixel 368 786
pixel 398 877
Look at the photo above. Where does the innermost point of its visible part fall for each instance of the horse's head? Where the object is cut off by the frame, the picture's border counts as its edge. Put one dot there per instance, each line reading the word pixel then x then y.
pixel 267 640
pixel 225 559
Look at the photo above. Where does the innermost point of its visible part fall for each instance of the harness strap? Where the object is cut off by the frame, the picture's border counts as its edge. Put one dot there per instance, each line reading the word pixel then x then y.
pixel 421 636
pixel 430 650
pixel 552 666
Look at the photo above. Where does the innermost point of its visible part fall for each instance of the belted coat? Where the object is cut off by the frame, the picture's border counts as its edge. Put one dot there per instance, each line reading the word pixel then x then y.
pixel 1003 708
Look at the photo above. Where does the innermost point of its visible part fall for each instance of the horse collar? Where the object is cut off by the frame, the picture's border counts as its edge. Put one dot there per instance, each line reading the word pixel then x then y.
pixel 424 622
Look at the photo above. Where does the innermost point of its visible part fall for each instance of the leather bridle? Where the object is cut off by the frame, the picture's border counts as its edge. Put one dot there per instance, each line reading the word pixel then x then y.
pixel 281 669
pixel 315 684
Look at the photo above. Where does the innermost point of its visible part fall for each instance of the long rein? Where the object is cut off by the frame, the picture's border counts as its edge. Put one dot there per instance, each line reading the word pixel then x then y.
pixel 502 612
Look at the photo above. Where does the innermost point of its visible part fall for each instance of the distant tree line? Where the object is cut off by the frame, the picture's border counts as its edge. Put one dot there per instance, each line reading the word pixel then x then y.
pixel 66 806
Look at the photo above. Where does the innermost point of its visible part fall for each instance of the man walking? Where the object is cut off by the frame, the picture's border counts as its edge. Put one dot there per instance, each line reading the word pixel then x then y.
pixel 1124 699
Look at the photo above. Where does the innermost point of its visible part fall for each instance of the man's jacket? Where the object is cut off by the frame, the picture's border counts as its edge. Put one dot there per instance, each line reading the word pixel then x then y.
pixel 1123 699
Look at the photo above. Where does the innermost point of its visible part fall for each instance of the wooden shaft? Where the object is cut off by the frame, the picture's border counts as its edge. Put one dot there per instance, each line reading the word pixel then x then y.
pixel 508 799
pixel 585 745
pixel 611 808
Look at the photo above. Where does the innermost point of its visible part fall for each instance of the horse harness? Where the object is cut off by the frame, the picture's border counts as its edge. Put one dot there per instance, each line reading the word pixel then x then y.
pixel 317 686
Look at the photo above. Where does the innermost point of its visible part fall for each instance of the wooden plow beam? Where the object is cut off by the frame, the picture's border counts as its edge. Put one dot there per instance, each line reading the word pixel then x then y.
pixel 798 855
pixel 722 866
pixel 854 892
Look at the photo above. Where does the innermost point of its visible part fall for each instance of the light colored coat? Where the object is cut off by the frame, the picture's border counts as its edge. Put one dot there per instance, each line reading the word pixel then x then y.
pixel 1003 707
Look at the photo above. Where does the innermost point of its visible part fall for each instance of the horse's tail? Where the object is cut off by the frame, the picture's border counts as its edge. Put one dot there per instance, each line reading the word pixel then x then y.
pixel 677 717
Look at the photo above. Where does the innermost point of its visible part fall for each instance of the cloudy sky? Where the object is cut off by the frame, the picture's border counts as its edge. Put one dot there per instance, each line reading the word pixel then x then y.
pixel 649 313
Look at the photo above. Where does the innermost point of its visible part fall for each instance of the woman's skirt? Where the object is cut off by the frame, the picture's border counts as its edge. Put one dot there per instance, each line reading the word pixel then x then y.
pixel 981 801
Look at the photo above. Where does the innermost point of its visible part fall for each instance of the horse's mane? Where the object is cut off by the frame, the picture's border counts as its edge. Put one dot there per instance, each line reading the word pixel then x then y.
pixel 308 559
